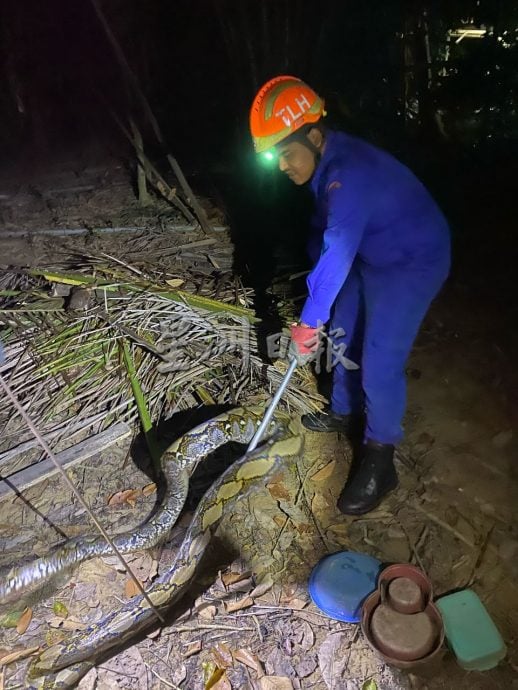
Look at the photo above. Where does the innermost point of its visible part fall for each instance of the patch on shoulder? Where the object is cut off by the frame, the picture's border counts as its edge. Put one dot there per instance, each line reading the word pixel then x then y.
pixel 334 185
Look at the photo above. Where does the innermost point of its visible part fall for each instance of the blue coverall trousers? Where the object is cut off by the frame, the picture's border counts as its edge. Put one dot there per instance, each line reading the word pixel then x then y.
pixel 380 310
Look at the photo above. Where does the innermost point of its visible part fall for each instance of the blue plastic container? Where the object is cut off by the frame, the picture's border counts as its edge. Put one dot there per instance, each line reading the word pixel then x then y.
pixel 340 583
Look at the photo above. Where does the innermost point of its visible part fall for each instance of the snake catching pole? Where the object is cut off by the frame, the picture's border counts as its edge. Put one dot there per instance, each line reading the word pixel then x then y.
pixel 272 407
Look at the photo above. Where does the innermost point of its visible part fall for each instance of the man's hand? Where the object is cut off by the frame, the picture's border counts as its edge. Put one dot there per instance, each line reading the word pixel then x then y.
pixel 304 343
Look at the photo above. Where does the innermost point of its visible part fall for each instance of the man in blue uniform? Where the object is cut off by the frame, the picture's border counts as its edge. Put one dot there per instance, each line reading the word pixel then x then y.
pixel 381 251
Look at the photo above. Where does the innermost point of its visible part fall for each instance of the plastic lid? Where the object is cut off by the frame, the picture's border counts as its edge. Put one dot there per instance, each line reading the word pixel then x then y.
pixel 340 583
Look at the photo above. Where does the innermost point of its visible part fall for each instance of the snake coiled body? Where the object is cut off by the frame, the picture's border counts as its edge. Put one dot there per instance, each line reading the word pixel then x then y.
pixel 64 664
pixel 178 463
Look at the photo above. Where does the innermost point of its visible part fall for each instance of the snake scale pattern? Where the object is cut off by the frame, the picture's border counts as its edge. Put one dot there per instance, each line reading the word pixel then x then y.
pixel 64 664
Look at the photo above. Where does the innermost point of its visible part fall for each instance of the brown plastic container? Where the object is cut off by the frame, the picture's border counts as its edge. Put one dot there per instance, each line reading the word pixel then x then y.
pixel 404 595
pixel 403 655
pixel 405 636
pixel 411 572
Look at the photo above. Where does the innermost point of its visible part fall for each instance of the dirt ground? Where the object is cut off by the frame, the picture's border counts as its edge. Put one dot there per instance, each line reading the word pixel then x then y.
pixel 454 514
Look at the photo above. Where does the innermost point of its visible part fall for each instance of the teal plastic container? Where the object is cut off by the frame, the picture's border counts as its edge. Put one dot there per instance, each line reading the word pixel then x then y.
pixel 471 633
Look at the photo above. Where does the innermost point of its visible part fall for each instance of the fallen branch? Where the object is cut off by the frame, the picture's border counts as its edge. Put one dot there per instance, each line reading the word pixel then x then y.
pixel 152 174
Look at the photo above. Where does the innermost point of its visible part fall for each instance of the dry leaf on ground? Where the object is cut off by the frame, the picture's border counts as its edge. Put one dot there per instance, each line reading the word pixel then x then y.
pixel 275 683
pixel 280 520
pixel 222 655
pixel 65 623
pixel 290 600
pixel 222 684
pixel 278 663
pixel 126 496
pixel 297 604
pixel 131 589
pixel 246 657
pixel 307 635
pixel 304 528
pixel 243 586
pixel 179 674
pixel 288 592
pixel 324 473
pixel 262 587
pixel 206 612
pixel 279 491
pixel 127 664
pixel 149 489
pixel 90 681
pixel 306 666
pixel 192 648
pixel 232 606
pixel 24 621
pixel 319 504
pixel 86 592
pixel 309 616
pixel 332 660
pixel 8 657
pixel 341 531
pixel 231 577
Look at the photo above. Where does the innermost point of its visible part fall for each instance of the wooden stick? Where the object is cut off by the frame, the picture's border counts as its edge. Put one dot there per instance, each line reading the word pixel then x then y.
pixel 70 484
pixel 189 195
pixel 143 195
pixel 23 479
pixel 60 429
pixel 152 174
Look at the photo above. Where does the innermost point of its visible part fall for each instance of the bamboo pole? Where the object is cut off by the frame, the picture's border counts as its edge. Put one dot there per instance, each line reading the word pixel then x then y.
pixel 143 195
pixel 119 53
pixel 154 176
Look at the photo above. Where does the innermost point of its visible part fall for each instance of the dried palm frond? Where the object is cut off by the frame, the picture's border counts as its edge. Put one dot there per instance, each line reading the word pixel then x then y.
pixel 77 371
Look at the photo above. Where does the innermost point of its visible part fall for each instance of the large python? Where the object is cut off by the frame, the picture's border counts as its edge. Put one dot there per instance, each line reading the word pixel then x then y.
pixel 64 664
pixel 177 463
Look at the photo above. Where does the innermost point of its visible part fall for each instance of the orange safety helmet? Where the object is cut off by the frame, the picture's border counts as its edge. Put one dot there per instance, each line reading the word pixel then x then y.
pixel 280 108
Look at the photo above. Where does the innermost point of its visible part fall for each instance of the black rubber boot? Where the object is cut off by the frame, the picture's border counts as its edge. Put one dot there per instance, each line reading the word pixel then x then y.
pixel 349 424
pixel 371 482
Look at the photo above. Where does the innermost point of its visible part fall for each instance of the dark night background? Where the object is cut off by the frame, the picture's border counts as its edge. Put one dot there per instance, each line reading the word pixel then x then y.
pixel 389 70
pixel 398 73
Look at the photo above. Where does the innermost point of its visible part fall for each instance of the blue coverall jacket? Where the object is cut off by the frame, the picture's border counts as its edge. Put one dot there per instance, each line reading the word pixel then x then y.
pixel 381 251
